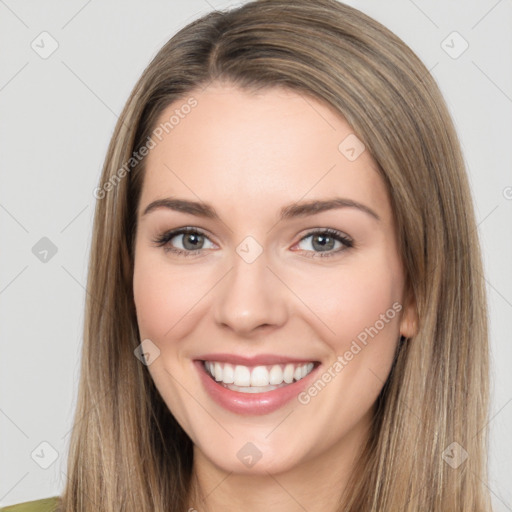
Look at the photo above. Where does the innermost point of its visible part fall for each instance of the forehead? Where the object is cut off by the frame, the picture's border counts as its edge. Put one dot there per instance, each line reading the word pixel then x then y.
pixel 257 150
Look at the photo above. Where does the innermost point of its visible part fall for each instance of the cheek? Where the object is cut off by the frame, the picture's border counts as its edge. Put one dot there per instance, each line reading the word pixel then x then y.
pixel 354 298
pixel 152 300
pixel 163 296
pixel 361 306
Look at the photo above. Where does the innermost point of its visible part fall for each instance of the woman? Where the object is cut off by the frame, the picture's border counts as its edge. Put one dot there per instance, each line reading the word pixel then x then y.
pixel 285 309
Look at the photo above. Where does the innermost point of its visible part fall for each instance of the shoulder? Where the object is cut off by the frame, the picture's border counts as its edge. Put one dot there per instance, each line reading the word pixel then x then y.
pixel 43 505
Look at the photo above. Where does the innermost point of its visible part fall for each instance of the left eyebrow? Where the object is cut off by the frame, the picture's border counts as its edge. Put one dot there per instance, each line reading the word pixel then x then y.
pixel 300 209
pixel 316 206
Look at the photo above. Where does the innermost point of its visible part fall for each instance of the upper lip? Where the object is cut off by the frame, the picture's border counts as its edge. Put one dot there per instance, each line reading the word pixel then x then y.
pixel 255 360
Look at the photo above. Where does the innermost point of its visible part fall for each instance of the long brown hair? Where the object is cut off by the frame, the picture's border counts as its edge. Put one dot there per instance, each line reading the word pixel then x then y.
pixel 427 449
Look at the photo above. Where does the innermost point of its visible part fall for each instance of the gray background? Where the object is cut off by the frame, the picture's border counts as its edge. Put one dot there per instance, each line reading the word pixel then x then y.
pixel 58 114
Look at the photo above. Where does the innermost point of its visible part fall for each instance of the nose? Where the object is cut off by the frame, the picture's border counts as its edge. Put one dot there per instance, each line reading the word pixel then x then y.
pixel 250 299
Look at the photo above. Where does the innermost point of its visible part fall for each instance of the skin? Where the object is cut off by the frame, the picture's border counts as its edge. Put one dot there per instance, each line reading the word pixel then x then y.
pixel 249 154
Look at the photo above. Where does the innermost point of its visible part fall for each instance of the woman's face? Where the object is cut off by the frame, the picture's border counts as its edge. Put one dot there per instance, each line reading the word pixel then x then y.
pixel 300 323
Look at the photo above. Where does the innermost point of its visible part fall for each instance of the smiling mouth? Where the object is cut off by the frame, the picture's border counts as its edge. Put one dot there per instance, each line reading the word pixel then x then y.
pixel 257 379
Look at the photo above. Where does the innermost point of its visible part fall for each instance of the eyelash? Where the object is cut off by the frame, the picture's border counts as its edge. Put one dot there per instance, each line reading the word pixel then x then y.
pixel 165 238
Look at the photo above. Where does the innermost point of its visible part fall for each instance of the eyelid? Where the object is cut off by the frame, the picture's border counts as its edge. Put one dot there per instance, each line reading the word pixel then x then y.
pixel 163 239
pixel 346 241
pixel 331 231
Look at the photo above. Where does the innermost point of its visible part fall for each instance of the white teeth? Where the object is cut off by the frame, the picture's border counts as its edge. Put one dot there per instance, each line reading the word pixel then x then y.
pixel 258 378
pixel 288 373
pixel 228 374
pixel 218 371
pixel 275 375
pixel 251 389
pixel 242 376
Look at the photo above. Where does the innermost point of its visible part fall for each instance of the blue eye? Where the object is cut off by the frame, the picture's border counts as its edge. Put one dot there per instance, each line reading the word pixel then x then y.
pixel 193 240
pixel 325 239
pixel 192 237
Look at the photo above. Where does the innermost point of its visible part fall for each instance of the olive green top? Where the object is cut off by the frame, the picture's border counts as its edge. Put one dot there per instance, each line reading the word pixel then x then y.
pixel 44 505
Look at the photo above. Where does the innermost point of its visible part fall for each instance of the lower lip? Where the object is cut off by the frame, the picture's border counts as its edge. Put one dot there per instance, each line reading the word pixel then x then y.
pixel 252 403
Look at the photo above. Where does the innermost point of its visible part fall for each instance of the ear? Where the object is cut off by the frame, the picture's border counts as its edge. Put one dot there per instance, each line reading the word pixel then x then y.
pixel 409 321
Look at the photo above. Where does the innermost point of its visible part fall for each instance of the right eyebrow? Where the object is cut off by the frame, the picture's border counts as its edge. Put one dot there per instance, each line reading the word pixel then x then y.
pixel 183 205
